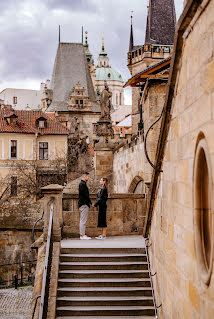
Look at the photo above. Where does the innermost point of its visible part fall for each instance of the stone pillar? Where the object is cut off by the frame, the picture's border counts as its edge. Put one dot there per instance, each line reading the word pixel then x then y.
pixel 53 192
pixel 104 150
pixel 103 162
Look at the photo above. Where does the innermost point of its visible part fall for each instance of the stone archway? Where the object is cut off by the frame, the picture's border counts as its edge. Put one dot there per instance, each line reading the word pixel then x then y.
pixel 137 185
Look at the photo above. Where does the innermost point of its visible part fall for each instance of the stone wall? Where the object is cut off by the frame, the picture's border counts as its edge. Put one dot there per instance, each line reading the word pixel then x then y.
pixel 125 215
pixel 128 162
pixel 129 159
pixel 15 248
pixel 174 232
pixel 16 241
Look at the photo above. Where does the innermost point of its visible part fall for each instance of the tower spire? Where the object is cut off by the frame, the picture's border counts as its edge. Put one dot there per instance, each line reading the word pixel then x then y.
pixel 103 48
pixel 86 38
pixel 59 33
pixel 131 41
pixel 82 34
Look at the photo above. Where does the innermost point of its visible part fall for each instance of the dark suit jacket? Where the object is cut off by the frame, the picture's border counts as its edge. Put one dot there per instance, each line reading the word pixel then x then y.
pixel 84 198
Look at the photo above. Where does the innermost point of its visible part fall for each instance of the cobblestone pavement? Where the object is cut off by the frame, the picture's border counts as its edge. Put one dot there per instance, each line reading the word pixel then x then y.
pixel 15 304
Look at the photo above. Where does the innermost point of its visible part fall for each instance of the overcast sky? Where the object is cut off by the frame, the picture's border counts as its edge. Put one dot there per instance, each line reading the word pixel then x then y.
pixel 29 34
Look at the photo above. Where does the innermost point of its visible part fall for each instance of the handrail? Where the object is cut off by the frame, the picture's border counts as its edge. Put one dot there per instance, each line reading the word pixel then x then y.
pixel 44 293
pixel 34 225
pixel 145 149
pixel 34 308
pixel 150 276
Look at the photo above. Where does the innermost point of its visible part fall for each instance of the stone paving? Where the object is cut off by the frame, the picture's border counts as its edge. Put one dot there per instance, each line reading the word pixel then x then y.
pixel 16 304
pixel 110 242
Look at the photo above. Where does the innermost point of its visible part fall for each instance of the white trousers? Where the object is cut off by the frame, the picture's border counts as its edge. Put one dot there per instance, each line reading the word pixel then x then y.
pixel 83 218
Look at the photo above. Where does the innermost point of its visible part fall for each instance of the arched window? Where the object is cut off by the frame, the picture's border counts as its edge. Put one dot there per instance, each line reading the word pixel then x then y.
pixel 116 99
pixel 203 220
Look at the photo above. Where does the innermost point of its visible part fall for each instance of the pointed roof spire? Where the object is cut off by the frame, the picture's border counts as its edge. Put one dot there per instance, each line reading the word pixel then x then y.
pixel 103 53
pixel 59 34
pixel 161 21
pixel 86 38
pixel 88 54
pixel 131 41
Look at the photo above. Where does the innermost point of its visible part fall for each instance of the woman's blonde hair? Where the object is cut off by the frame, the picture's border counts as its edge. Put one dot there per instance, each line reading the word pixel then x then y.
pixel 106 182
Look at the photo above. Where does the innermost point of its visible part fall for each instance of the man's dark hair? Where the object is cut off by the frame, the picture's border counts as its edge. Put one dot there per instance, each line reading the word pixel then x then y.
pixel 86 173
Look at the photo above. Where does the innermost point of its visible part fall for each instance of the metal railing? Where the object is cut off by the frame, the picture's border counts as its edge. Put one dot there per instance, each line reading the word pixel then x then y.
pixel 46 274
pixel 145 140
pixel 18 279
pixel 34 227
pixel 150 276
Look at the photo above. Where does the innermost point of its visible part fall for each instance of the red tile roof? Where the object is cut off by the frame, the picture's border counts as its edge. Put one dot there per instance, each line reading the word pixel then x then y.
pixel 26 123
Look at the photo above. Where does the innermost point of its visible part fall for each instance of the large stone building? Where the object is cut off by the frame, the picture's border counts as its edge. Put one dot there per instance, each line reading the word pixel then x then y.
pixel 179 218
pixel 180 203
pixel 72 90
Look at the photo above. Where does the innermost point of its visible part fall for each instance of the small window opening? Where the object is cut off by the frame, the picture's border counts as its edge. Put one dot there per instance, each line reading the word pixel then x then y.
pixel 13 149
pixel 43 150
pixel 13 186
pixel 203 211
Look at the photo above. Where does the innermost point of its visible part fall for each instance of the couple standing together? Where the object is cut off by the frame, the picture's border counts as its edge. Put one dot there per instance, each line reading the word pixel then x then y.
pixel 85 203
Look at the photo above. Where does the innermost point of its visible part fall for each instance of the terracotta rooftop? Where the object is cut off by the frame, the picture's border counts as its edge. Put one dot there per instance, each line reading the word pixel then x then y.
pixel 27 122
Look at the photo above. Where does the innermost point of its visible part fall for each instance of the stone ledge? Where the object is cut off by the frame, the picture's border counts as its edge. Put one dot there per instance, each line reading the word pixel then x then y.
pixel 111 196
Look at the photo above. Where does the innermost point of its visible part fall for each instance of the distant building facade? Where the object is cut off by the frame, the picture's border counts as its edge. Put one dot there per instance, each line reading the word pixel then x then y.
pixel 31 136
pixel 26 99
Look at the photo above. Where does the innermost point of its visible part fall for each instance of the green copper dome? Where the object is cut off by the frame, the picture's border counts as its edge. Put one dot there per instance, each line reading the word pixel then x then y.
pixel 108 74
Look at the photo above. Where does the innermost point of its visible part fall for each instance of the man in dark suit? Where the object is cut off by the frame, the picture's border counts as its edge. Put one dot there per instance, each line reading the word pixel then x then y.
pixel 84 204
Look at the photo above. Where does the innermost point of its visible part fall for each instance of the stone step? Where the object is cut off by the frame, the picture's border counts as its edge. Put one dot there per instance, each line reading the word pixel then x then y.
pixel 105 301
pixel 104 310
pixel 102 257
pixel 107 317
pixel 103 250
pixel 104 282
pixel 103 273
pixel 104 265
pixel 104 291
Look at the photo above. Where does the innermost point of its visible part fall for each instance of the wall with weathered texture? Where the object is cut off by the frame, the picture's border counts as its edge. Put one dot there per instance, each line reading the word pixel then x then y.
pixel 178 284
pixel 125 215
pixel 128 162
pixel 16 241
pixel 129 158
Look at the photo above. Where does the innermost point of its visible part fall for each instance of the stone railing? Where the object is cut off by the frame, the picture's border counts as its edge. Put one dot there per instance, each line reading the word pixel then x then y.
pixel 125 215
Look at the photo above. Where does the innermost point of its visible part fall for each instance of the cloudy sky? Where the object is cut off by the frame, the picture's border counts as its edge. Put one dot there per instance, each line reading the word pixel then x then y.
pixel 29 34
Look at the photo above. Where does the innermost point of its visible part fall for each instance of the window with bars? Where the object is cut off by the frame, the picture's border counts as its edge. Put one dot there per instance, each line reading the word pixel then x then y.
pixel 13 149
pixel 13 186
pixel 43 150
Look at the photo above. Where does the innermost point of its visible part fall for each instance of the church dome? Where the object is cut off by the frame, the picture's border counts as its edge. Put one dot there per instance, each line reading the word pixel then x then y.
pixel 108 74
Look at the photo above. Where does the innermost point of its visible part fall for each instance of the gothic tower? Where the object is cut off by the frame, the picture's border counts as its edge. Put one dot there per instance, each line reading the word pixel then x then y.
pixel 158 44
pixel 159 37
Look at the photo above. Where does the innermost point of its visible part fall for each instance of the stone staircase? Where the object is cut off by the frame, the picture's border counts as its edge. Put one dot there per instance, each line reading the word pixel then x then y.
pixel 104 283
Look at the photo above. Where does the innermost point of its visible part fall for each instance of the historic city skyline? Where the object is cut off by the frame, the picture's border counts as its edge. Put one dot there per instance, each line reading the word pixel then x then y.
pixel 30 35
